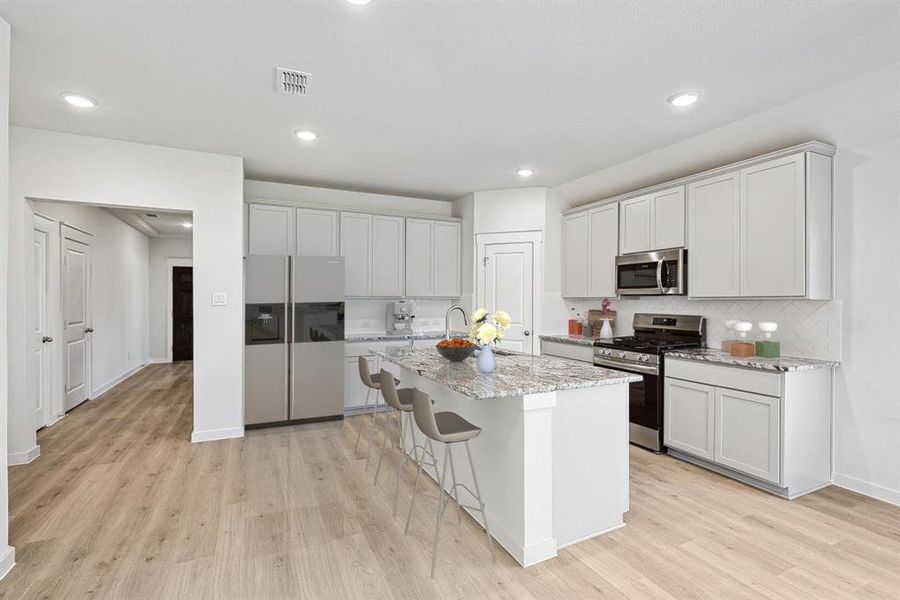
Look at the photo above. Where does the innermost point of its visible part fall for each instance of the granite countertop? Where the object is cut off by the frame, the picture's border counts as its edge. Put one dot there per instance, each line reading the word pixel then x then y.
pixel 570 339
pixel 384 336
pixel 784 364
pixel 516 374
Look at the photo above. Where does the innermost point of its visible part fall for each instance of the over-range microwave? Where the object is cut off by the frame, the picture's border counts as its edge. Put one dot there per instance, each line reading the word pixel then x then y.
pixel 659 273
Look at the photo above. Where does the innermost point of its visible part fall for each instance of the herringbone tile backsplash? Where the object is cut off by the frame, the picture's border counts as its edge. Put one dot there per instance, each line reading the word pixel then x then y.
pixel 808 328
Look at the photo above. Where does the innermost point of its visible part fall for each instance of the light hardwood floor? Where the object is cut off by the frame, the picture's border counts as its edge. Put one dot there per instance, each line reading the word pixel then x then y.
pixel 122 505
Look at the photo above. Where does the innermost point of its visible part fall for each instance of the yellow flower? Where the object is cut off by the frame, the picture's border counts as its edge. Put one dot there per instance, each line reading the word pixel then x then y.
pixel 502 319
pixel 486 333
pixel 479 315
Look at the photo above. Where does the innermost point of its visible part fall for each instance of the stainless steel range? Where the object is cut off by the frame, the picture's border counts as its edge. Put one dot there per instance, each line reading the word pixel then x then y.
pixel 643 354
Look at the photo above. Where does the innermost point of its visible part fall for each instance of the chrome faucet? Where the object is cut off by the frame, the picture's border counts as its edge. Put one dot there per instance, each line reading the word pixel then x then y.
pixel 447 319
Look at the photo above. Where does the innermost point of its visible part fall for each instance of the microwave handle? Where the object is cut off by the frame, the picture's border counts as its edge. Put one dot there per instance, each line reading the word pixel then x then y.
pixel 659 279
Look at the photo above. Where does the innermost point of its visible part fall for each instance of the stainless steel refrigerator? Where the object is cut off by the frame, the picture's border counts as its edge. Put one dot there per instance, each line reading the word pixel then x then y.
pixel 293 339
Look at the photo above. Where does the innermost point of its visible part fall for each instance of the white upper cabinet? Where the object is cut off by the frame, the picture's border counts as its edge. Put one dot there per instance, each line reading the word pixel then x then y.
pixel 634 225
pixel 270 230
pixel 652 222
pixel 590 246
pixel 447 254
pixel 773 228
pixel 419 257
pixel 317 232
pixel 387 256
pixel 714 230
pixel 763 231
pixel 667 219
pixel 356 248
pixel 432 258
pixel 576 255
pixel 604 243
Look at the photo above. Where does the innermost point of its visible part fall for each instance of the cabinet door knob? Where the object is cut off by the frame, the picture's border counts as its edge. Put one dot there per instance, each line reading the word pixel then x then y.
pixel 527 332
pixel 46 339
pixel 89 330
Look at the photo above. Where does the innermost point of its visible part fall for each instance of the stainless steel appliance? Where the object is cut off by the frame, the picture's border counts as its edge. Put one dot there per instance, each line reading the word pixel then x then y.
pixel 643 354
pixel 663 272
pixel 293 339
pixel 400 316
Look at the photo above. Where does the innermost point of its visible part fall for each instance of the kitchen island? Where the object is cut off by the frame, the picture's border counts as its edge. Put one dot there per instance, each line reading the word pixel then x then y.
pixel 552 457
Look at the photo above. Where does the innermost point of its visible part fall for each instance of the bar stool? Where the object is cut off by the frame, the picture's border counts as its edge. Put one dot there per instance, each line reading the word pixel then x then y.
pixel 401 402
pixel 450 428
pixel 374 386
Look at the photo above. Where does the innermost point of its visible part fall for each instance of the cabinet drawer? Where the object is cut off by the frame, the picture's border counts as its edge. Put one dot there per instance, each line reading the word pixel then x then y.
pixel 570 351
pixel 735 378
pixel 353 349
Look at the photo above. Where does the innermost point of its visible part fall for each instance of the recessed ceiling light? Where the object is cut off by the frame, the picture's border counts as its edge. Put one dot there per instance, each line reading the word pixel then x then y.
pixel 682 99
pixel 358 2
pixel 305 135
pixel 187 224
pixel 79 100
pixel 525 172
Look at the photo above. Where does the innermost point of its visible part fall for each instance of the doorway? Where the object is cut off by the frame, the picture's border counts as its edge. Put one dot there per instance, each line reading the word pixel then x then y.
pixel 509 272
pixel 76 304
pixel 182 313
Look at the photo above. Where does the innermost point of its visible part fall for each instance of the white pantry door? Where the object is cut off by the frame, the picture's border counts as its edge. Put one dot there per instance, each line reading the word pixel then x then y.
pixel 76 278
pixel 506 282
pixel 40 334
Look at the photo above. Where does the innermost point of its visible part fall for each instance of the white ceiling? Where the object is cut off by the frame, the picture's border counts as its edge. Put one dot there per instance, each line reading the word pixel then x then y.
pixel 434 99
pixel 155 223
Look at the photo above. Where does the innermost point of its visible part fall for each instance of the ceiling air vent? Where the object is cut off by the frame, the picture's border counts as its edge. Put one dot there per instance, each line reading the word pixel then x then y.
pixel 294 83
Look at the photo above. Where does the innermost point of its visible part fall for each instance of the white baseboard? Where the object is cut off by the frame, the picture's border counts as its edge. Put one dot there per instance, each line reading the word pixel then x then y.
pixel 209 435
pixel 7 561
pixel 158 361
pixel 23 458
pixel 116 381
pixel 865 488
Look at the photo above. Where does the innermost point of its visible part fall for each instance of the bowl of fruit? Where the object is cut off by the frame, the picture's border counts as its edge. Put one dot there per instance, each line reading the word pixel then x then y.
pixel 456 349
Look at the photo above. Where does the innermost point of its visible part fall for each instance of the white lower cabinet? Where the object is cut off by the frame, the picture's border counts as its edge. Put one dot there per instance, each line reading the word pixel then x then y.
pixel 768 429
pixel 689 413
pixel 354 389
pixel 747 433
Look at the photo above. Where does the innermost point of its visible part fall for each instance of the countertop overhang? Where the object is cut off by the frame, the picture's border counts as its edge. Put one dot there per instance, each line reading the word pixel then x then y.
pixel 516 374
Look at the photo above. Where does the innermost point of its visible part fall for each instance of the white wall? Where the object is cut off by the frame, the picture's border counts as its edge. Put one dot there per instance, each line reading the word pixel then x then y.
pixel 7 553
pixel 57 166
pixel 303 194
pixel 161 249
pixel 867 263
pixel 861 325
pixel 119 292
pixel 520 209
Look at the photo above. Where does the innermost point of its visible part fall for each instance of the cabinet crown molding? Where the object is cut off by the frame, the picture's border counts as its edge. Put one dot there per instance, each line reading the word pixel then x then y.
pixel 814 146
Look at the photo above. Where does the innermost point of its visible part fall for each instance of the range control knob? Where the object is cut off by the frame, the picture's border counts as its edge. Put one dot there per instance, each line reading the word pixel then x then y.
pixel 645 358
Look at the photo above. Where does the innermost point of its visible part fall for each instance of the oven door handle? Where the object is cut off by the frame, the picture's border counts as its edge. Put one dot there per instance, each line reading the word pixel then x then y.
pixel 611 364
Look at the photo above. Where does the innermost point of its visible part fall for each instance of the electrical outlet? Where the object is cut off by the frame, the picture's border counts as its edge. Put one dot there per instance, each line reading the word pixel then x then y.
pixel 219 299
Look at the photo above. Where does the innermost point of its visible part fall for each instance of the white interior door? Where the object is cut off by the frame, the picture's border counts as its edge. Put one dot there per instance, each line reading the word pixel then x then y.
pixel 506 282
pixel 41 330
pixel 76 277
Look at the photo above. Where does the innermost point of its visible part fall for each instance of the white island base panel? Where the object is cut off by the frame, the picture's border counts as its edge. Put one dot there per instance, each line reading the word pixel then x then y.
pixel 553 467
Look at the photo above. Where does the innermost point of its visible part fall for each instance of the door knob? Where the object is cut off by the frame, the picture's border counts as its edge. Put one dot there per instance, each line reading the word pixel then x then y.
pixel 89 330
pixel 527 332
pixel 46 339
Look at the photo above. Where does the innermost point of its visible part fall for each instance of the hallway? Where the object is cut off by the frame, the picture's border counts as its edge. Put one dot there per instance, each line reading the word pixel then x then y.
pixel 122 505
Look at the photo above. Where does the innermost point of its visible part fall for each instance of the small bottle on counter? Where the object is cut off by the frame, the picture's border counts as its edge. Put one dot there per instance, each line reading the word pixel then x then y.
pixel 729 337
pixel 767 347
pixel 573 323
pixel 579 324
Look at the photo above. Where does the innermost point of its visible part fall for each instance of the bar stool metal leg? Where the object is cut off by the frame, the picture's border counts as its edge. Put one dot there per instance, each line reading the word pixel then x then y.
pixel 404 457
pixel 363 419
pixel 453 478
pixel 487 529
pixel 442 504
pixel 372 427
pixel 430 452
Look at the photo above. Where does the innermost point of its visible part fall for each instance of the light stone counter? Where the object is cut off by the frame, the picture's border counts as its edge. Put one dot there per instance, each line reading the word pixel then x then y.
pixel 784 364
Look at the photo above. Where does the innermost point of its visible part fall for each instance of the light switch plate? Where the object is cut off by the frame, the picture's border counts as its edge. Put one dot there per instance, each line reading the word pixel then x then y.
pixel 219 299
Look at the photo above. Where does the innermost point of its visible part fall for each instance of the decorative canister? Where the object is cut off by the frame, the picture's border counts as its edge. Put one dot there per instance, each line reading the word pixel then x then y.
pixel 767 347
pixel 741 347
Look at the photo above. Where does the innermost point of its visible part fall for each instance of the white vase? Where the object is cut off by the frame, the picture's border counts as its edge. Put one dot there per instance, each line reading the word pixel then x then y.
pixel 486 361
pixel 606 332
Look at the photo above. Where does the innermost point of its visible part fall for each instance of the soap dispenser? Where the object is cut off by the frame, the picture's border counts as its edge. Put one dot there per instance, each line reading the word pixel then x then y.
pixel 741 347
pixel 767 347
